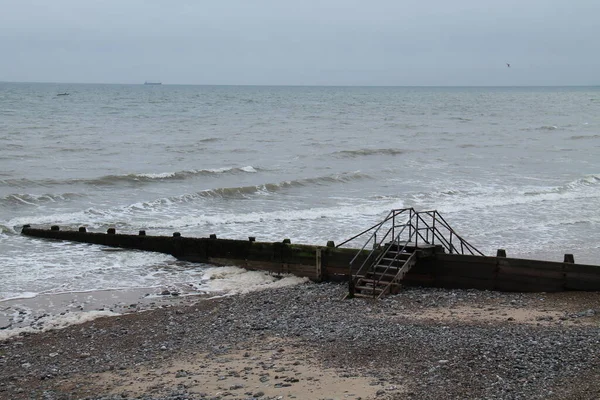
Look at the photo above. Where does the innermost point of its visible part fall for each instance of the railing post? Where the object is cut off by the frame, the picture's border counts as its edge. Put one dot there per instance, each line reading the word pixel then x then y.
pixel 393 226
pixel 417 232
pixel 410 224
pixel 433 228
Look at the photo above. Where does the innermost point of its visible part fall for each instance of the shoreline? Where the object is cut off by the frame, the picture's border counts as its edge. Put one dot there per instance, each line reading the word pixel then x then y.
pixel 46 311
pixel 305 342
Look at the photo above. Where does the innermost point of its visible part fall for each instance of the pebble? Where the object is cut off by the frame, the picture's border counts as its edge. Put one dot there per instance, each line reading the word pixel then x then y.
pixel 421 358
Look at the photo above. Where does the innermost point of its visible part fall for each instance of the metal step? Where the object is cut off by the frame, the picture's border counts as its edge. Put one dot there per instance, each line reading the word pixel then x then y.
pixel 366 296
pixel 374 289
pixel 376 282
pixel 370 275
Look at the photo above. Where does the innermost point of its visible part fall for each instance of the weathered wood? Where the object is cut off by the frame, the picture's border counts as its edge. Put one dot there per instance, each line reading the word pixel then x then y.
pixel 582 277
pixel 333 264
pixel 318 265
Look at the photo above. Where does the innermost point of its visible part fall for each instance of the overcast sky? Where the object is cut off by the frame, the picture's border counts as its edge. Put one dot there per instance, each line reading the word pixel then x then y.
pixel 302 42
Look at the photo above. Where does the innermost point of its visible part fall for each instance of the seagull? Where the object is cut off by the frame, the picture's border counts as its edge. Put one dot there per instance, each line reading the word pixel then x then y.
pixel 507 65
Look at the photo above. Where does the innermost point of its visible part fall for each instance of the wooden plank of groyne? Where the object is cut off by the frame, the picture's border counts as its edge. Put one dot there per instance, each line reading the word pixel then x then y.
pixel 529 275
pixel 318 270
pixel 582 277
pixel 417 279
pixel 466 266
pixel 463 282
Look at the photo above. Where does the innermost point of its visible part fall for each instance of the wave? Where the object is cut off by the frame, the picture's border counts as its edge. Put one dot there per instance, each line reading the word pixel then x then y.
pixel 369 152
pixel 108 180
pixel 6 230
pixel 579 137
pixel 370 211
pixel 35 200
pixel 266 188
pixel 165 176
pixel 118 216
pixel 586 181
pixel 547 128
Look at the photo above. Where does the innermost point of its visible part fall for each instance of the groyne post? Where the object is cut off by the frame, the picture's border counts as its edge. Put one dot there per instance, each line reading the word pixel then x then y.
pixel 319 274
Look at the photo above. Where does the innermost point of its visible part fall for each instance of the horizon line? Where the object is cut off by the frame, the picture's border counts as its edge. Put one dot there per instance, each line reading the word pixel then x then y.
pixel 294 85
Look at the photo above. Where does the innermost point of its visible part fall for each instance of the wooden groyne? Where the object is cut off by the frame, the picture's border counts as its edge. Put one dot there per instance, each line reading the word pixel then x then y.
pixel 433 265
pixel 317 263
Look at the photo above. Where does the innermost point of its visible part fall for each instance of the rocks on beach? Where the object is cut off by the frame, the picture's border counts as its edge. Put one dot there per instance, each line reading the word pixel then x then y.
pixel 306 342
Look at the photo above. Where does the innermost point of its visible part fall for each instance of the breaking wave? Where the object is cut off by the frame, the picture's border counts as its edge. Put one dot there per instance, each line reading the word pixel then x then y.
pixel 163 176
pixel 268 188
pixel 5 229
pixel 586 181
pixel 36 200
pixel 143 210
pixel 134 178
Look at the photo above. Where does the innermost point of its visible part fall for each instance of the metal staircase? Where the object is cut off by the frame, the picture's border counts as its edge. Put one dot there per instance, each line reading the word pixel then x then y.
pixel 396 248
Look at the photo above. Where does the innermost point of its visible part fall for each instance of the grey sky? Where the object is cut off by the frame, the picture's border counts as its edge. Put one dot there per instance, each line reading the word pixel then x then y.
pixel 308 42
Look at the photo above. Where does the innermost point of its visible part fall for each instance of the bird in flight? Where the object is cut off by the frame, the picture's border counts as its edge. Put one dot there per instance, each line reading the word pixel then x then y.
pixel 507 65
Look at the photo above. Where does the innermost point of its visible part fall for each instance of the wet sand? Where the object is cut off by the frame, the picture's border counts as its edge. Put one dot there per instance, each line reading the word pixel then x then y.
pixel 51 311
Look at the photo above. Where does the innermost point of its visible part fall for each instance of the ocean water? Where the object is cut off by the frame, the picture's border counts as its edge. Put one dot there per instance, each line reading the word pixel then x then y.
pixel 512 168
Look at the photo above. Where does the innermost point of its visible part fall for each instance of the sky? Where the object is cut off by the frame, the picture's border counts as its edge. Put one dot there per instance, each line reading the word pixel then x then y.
pixel 302 42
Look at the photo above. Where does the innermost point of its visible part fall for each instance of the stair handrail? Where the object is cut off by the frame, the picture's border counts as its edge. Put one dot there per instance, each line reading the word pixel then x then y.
pixel 416 223
pixel 395 241
pixel 391 215
pixel 436 233
pixel 371 253
pixel 408 261
pixel 376 246
pixel 472 249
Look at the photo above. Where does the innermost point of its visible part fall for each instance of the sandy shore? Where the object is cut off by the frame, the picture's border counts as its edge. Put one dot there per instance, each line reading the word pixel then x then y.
pixel 304 342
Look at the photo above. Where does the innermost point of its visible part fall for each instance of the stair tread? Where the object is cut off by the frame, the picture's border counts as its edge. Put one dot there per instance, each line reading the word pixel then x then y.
pixel 371 274
pixel 374 289
pixel 370 296
pixel 369 283
pixel 380 277
pixel 390 267
pixel 377 283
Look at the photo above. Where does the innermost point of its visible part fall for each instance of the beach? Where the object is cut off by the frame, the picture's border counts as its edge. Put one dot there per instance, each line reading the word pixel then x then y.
pixel 513 168
pixel 305 342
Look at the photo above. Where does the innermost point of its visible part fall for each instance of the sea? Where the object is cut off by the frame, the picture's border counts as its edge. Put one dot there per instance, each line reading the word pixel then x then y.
pixel 516 168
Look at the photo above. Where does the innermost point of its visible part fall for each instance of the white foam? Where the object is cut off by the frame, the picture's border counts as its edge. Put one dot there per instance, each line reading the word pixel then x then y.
pixel 48 323
pixel 17 296
pixel 234 280
pixel 263 217
pixel 162 175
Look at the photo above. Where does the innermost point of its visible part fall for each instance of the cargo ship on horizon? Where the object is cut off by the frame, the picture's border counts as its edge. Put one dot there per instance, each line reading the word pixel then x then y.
pixel 152 83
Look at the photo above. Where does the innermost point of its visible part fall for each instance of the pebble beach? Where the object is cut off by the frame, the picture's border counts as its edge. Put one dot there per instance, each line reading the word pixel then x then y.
pixel 305 342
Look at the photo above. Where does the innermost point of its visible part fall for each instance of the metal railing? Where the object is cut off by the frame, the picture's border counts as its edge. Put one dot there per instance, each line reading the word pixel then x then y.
pixel 417 228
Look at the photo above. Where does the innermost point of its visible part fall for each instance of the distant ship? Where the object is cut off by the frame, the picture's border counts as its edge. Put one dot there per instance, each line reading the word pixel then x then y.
pixel 152 83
